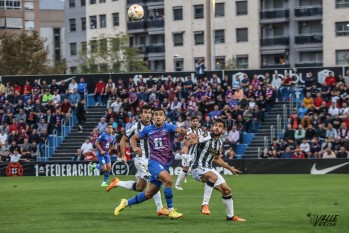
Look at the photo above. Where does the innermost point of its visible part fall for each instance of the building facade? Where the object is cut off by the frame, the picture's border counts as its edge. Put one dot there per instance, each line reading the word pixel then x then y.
pixel 173 35
pixel 19 15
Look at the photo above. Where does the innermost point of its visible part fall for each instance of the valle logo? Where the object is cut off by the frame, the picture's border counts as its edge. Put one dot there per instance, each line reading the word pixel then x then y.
pixel 323 220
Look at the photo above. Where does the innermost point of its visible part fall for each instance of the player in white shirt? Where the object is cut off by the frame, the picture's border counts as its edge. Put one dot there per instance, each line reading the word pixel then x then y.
pixel 186 158
pixel 140 162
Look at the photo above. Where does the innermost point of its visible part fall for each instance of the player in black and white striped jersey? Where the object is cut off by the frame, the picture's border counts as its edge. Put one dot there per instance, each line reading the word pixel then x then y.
pixel 209 149
pixel 187 158
pixel 140 161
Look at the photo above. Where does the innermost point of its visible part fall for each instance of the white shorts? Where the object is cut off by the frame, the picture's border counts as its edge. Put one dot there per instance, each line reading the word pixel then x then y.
pixel 198 172
pixel 186 159
pixel 141 165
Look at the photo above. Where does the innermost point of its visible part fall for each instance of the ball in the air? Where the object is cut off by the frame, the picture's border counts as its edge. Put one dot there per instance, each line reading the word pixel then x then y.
pixel 135 12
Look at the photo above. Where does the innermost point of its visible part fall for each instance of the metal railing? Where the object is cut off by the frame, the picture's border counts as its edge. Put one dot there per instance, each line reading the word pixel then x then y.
pixel 259 152
pixel 278 126
pixel 272 132
pixel 63 127
pixel 86 100
pixel 265 142
pixel 47 149
pixel 285 117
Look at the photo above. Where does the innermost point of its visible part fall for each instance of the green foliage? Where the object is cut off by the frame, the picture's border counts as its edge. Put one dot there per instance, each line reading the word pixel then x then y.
pixel 111 55
pixel 25 54
pixel 231 64
pixel 270 203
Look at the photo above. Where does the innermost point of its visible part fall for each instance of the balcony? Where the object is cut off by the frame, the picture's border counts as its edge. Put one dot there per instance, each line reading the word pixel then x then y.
pixel 156 48
pixel 309 11
pixel 308 39
pixel 130 2
pixel 309 64
pixel 147 24
pixel 275 41
pixel 274 14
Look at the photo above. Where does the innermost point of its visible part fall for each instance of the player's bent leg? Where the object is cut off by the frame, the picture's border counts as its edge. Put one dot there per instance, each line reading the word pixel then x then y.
pixel 210 179
pixel 107 169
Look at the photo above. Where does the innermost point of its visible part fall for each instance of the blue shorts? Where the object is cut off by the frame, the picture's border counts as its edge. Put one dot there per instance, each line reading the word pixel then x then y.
pixel 103 159
pixel 154 168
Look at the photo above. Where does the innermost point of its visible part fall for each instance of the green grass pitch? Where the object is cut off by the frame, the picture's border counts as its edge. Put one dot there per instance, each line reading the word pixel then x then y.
pixel 270 203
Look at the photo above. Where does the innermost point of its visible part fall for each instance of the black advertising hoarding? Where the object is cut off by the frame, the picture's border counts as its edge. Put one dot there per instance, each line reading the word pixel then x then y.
pixel 247 166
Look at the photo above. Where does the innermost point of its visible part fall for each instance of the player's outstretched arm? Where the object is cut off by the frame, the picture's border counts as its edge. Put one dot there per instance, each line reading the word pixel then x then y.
pixel 133 142
pixel 218 160
pixel 122 148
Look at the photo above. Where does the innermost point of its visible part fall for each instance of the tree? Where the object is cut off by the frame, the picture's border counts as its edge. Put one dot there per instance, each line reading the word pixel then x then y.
pixel 25 54
pixel 231 64
pixel 111 55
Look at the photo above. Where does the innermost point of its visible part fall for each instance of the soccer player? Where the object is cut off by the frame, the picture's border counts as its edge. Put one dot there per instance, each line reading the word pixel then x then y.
pixel 187 158
pixel 104 144
pixel 161 137
pixel 208 151
pixel 140 161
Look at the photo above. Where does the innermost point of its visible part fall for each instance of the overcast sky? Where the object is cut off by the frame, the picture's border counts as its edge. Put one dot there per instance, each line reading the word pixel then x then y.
pixel 52 4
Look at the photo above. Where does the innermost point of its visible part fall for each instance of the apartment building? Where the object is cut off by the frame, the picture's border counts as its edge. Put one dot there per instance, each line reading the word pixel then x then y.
pixel 173 35
pixel 19 15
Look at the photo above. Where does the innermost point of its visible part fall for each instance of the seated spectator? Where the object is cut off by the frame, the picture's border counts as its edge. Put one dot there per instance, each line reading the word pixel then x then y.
pixel 302 111
pixel 342 153
pixel 289 132
pixel 308 101
pixel 331 133
pixel 15 156
pixel 329 154
pixel 78 155
pixel 326 145
pixel 5 157
pixel 299 134
pixel 265 154
pixel 90 156
pixel 274 155
pixel 298 154
pixel 333 110
pixel 304 147
pixel 315 148
pixel 102 125
pixel 234 136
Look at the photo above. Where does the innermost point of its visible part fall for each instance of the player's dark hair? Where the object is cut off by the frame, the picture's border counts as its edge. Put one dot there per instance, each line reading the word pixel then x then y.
pixel 220 121
pixel 194 117
pixel 159 109
pixel 145 107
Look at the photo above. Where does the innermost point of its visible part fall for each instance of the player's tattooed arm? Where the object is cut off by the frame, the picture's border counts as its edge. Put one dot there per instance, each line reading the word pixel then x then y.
pixel 122 148
pixel 186 132
pixel 133 142
pixel 187 142
pixel 218 160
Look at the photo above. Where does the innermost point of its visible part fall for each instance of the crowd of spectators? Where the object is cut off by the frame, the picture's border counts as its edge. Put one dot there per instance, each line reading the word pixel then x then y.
pixel 319 128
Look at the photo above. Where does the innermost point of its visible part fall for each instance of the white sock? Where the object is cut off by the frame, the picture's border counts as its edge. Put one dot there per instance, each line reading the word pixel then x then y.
pixel 126 184
pixel 180 178
pixel 207 194
pixel 158 202
pixel 229 205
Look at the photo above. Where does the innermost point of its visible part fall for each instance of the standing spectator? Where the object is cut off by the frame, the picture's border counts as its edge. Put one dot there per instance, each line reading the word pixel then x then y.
pixel 66 110
pixel 74 99
pixel 99 91
pixel 87 146
pixel 116 105
pixel 200 69
pixel 73 85
pixel 80 114
pixel 82 88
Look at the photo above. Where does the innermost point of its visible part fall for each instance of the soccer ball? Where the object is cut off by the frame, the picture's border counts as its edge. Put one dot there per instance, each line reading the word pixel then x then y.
pixel 135 12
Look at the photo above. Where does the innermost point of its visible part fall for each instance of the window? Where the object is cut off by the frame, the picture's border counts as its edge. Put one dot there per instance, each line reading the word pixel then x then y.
pixel 241 8
pixel 29 5
pixel 177 13
pixel 342 28
pixel 83 2
pixel 310 57
pixel 71 3
pixel 220 63
pixel 219 10
pixel 241 34
pixel 73 69
pixel 29 24
pixel 72 49
pixel 116 21
pixel 10 4
pixel 342 3
pixel 83 24
pixel 342 57
pixel 102 21
pixel 72 25
pixel 93 22
pixel 93 2
pixel 219 37
pixel 83 48
pixel 199 37
pixel 93 46
pixel 177 39
pixel 179 64
pixel 242 61
pixel 101 1
pixel 198 11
